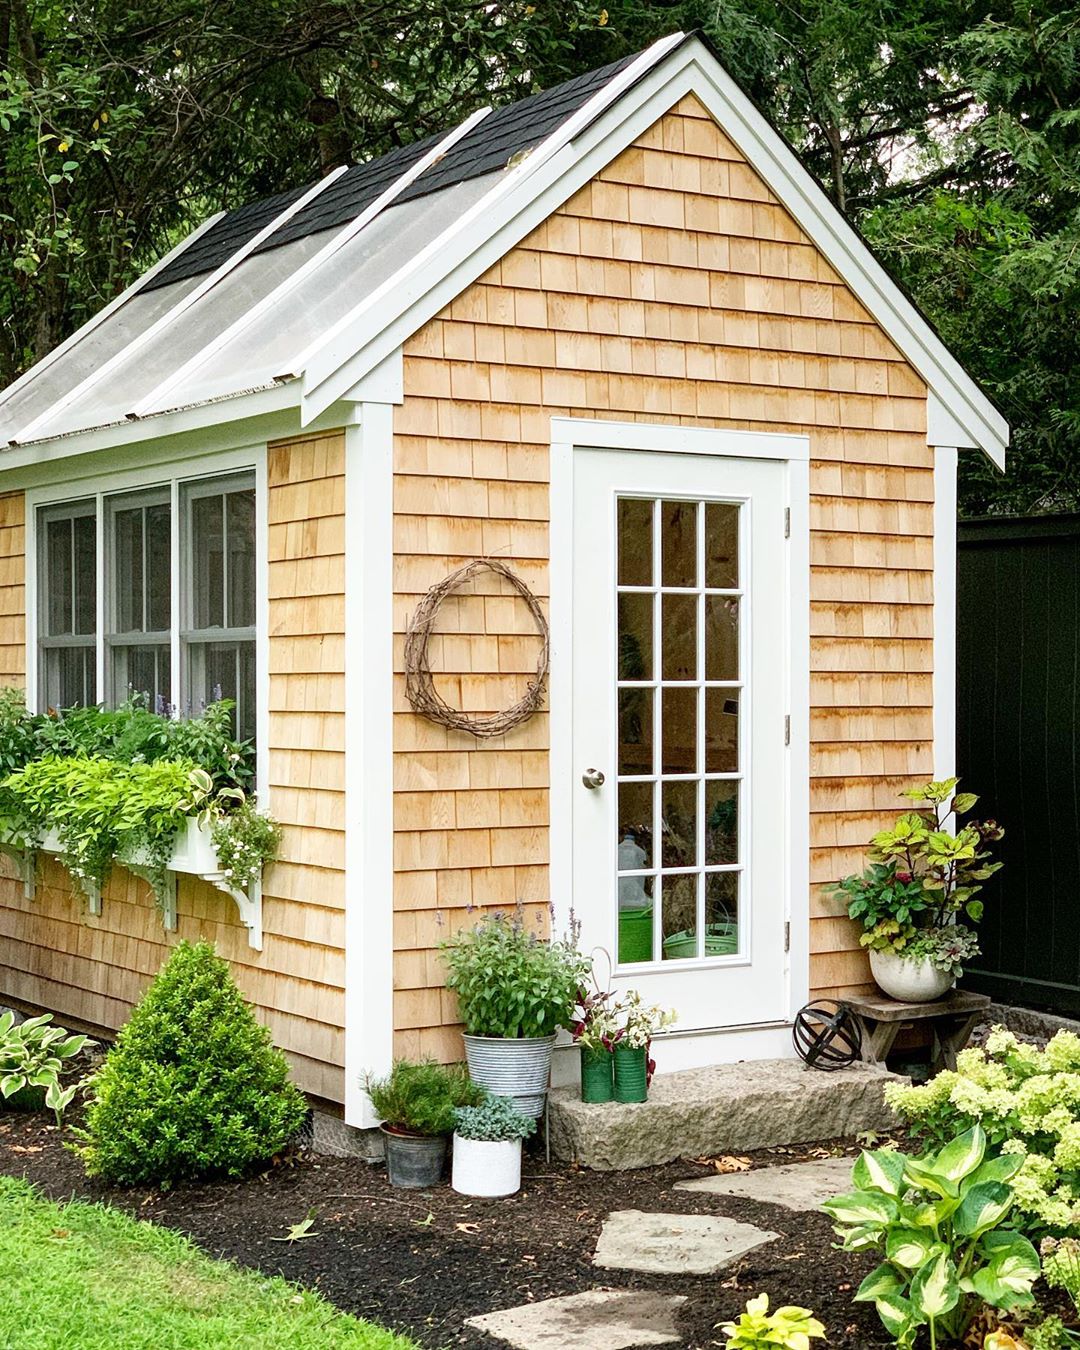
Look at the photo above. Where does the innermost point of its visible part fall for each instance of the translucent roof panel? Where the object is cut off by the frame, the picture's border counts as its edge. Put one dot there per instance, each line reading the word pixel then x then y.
pixel 93 349
pixel 268 347
pixel 110 399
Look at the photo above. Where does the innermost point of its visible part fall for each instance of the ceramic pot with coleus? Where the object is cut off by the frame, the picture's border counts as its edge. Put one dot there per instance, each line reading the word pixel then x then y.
pixel 417 1103
pixel 514 989
pixel 916 901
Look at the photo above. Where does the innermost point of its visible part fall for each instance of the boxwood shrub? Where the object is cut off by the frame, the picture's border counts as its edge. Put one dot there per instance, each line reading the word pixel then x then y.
pixel 193 1087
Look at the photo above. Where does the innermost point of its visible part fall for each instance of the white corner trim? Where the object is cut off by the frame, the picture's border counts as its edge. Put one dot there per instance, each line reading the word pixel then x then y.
pixel 561 670
pixel 369 799
pixel 944 681
pixel 589 433
pixel 797 812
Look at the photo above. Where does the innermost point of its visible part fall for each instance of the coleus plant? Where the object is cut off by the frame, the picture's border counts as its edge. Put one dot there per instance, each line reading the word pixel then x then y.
pixel 939 1221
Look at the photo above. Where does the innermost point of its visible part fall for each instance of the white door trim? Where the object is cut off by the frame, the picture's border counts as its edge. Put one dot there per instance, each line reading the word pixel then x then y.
pixel 568 434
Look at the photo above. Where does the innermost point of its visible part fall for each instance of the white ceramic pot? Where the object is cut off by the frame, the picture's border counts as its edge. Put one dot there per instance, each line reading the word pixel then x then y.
pixel 909 981
pixel 486 1166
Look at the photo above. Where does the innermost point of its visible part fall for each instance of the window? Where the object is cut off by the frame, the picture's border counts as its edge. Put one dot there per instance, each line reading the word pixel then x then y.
pixel 177 572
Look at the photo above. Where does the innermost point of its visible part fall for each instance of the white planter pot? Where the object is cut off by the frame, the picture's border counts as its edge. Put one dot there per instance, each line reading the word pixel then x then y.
pixel 486 1166
pixel 515 1068
pixel 909 981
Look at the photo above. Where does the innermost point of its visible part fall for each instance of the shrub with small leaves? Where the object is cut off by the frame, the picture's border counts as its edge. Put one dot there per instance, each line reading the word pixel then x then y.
pixel 421 1098
pixel 758 1329
pixel 495 1120
pixel 193 1086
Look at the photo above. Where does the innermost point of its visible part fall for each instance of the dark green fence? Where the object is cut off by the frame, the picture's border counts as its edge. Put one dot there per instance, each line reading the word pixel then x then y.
pixel 1018 725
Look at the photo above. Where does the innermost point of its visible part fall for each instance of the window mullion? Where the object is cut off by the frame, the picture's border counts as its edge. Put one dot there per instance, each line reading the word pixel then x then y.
pixel 177 547
pixel 99 598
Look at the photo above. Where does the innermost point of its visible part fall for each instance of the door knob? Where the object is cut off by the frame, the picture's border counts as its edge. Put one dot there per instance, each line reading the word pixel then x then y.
pixel 592 778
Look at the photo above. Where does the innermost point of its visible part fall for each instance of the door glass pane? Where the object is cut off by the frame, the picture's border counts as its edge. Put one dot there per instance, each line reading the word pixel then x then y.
pixel 635 636
pixel 721 731
pixel 635 731
pixel 679 912
pixel 679 637
pixel 635 826
pixel 721 637
pixel 208 562
pixel 635 542
pixel 721 545
pixel 678 731
pixel 678 543
pixel 678 823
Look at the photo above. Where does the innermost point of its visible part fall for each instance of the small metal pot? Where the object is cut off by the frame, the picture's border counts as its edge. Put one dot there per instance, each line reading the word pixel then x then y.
pixel 516 1068
pixel 416 1161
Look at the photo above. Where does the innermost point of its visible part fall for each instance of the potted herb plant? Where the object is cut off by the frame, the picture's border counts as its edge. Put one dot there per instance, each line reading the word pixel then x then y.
pixel 417 1102
pixel 922 880
pixel 595 1027
pixel 514 989
pixel 633 1067
pixel 487 1147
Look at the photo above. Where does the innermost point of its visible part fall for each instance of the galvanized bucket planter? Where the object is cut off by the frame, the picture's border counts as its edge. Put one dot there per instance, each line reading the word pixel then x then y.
pixel 516 1068
pixel 416 1161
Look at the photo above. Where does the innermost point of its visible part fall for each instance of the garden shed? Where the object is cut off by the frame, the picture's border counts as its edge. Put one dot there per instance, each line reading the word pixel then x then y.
pixel 616 338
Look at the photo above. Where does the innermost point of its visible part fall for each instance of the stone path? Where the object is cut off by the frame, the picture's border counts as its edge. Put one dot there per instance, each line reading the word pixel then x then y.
pixel 600 1319
pixel 674 1244
pixel 798 1186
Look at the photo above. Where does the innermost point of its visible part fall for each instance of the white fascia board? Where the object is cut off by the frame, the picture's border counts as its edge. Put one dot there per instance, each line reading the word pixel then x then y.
pixel 587 433
pixel 96 320
pixel 502 218
pixel 942 428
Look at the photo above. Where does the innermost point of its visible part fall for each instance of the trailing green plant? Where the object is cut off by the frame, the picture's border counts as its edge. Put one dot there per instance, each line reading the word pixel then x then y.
pixel 245 841
pixel 32 1056
pixel 1028 1102
pixel 193 1086
pixel 922 878
pixel 790 1327
pixel 495 1119
pixel 421 1097
pixel 510 982
pixel 102 808
pixel 939 1222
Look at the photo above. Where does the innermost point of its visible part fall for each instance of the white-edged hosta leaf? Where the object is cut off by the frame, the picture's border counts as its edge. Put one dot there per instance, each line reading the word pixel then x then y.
pixel 860 1238
pixel 909 1247
pixel 899 1317
pixel 960 1158
pixel 882 1170
pixel 923 1175
pixel 11 1083
pixel 881 1281
pixel 863 1207
pixel 983 1207
pixel 996 1292
pixel 1002 1168
pixel 1013 1260
pixel 930 1215
pixel 935 1289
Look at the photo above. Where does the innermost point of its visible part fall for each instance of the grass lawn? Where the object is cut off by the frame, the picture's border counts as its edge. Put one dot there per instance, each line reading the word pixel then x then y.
pixel 86 1277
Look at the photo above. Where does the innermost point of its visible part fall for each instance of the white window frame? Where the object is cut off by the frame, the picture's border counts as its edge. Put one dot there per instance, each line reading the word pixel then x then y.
pixel 172 475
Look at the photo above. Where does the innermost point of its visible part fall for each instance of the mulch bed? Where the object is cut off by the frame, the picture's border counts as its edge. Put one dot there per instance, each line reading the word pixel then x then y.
pixel 422 1262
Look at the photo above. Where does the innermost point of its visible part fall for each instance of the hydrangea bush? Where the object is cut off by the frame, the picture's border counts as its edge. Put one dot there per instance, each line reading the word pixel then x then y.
pixel 1028 1102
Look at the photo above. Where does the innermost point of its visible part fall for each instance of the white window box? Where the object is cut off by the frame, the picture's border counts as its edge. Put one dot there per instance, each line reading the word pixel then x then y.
pixel 193 855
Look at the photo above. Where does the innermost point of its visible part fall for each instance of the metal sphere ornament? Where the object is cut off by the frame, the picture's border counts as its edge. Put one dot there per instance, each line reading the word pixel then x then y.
pixel 827 1035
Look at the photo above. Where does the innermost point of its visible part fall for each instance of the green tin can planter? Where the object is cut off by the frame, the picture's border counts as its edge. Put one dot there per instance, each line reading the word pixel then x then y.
pixel 597 1075
pixel 631 1077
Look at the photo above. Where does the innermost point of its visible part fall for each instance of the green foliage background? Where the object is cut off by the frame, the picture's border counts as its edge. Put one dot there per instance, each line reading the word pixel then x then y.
pixel 948 130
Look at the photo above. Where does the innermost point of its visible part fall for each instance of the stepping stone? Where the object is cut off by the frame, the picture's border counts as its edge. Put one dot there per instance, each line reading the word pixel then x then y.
pixel 798 1186
pixel 674 1244
pixel 600 1319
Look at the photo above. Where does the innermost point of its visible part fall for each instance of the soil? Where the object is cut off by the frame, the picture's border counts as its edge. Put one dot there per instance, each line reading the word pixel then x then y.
pixel 423 1262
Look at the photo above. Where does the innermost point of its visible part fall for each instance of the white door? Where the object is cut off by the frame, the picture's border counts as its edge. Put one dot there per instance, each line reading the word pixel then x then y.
pixel 680 613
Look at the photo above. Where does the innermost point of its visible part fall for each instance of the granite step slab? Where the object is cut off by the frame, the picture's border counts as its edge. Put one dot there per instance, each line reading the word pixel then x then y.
pixel 798 1186
pixel 599 1319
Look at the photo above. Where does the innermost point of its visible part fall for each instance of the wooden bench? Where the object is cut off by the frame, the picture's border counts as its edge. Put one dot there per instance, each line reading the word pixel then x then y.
pixel 951 1021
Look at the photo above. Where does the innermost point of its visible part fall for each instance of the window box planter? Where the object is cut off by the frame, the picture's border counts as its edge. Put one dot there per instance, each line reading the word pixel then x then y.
pixel 193 855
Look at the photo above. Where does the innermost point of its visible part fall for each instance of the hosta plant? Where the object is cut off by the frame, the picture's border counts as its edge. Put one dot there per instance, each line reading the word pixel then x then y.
pixel 790 1328
pixel 939 1221
pixel 33 1055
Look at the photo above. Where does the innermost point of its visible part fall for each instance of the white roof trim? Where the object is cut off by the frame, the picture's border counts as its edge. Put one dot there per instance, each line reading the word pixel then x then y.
pixel 427 282
pixel 153 402
pixel 28 432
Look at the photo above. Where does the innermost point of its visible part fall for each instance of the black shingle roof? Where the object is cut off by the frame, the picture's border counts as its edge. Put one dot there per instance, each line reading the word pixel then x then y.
pixel 488 147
